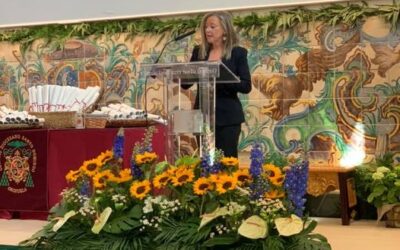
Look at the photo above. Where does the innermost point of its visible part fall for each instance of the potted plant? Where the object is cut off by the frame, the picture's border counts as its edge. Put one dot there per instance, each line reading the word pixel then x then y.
pixel 379 184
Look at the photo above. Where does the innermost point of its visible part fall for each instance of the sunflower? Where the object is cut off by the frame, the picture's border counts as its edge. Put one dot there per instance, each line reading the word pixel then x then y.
pixel 274 194
pixel 171 170
pixel 124 175
pixel 139 189
pixel 144 158
pixel 214 178
pixel 230 161
pixel 182 176
pixel 91 167
pixel 100 179
pixel 73 175
pixel 272 171
pixel 201 186
pixel 105 156
pixel 161 180
pixel 242 176
pixel 277 180
pixel 225 183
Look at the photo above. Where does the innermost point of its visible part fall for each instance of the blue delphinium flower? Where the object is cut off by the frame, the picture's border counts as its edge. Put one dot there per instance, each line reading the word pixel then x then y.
pixel 136 172
pixel 259 185
pixel 258 188
pixel 257 160
pixel 205 164
pixel 295 185
pixel 85 188
pixel 210 166
pixel 118 148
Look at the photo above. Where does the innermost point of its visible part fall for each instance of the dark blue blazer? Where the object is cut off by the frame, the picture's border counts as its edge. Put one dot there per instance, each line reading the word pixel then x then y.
pixel 229 110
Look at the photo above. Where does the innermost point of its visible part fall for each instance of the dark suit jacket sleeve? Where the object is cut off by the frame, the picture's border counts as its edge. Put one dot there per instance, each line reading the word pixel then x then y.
pixel 239 55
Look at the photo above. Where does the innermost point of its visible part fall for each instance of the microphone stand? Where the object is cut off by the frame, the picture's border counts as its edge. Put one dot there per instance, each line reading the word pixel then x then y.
pixel 156 61
pixel 153 76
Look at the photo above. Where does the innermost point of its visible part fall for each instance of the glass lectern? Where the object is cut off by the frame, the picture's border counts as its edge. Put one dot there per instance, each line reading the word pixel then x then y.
pixel 180 120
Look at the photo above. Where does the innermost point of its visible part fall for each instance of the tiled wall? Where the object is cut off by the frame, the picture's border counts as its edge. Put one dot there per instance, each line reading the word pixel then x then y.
pixel 331 92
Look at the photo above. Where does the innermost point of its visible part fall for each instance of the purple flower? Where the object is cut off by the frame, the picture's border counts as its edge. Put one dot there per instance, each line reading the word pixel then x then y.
pixel 85 188
pixel 295 185
pixel 118 148
pixel 259 185
pixel 208 168
pixel 257 160
pixel 258 188
pixel 137 173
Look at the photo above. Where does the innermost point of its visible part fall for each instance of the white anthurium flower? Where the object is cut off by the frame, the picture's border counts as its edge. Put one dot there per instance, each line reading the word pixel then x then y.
pixel 254 227
pixel 61 221
pixel 289 226
pixel 206 218
pixel 101 220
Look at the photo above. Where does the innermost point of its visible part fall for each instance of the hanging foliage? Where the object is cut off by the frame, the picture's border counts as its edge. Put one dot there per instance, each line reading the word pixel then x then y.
pixel 251 24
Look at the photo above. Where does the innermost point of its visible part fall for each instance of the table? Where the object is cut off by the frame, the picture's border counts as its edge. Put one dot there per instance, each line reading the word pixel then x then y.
pixel 324 179
pixel 39 159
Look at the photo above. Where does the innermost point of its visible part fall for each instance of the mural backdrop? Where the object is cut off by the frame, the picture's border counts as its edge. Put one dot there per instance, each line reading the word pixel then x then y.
pixel 331 92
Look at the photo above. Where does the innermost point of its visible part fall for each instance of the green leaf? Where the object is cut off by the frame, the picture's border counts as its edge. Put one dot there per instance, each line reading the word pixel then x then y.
pixel 274 242
pixel 379 190
pixel 136 212
pixel 309 242
pixel 125 222
pixel 161 166
pixel 185 232
pixel 221 240
pixel 58 210
pixel 211 206
pixel 310 227
pixel 186 160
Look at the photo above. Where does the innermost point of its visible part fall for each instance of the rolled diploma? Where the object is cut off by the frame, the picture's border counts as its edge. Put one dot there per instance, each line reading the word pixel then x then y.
pixel 55 96
pixel 68 97
pixel 45 95
pixel 39 98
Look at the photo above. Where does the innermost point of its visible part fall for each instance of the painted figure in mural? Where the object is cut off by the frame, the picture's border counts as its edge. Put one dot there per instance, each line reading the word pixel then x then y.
pixel 220 43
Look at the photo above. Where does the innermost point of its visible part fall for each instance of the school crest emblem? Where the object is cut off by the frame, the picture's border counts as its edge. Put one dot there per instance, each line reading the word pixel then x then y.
pixel 17 163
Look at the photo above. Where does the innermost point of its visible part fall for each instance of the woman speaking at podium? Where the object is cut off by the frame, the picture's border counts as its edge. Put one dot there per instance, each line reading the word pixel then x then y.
pixel 220 43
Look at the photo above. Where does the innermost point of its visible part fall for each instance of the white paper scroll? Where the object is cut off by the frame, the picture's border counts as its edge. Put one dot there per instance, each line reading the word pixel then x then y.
pixel 51 98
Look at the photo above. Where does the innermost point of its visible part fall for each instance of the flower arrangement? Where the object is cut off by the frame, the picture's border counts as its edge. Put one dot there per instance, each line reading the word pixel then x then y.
pixel 190 204
pixel 379 182
pixel 385 186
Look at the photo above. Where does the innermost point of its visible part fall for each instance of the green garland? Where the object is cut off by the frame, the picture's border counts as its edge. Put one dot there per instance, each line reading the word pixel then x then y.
pixel 250 24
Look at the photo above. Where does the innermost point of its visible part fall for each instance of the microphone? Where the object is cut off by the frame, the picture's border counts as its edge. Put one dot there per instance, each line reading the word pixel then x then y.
pixel 180 37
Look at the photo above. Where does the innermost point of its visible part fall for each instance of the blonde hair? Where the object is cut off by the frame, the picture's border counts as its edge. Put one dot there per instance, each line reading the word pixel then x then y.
pixel 231 39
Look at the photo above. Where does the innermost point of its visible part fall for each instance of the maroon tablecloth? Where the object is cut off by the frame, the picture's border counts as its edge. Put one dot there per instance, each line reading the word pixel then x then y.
pixel 41 158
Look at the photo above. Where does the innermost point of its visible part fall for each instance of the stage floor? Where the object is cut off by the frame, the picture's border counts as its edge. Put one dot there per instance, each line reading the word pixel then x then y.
pixel 360 235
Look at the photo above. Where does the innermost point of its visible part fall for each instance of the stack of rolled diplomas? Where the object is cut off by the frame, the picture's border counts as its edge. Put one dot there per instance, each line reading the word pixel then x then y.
pixel 9 116
pixel 121 111
pixel 53 98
